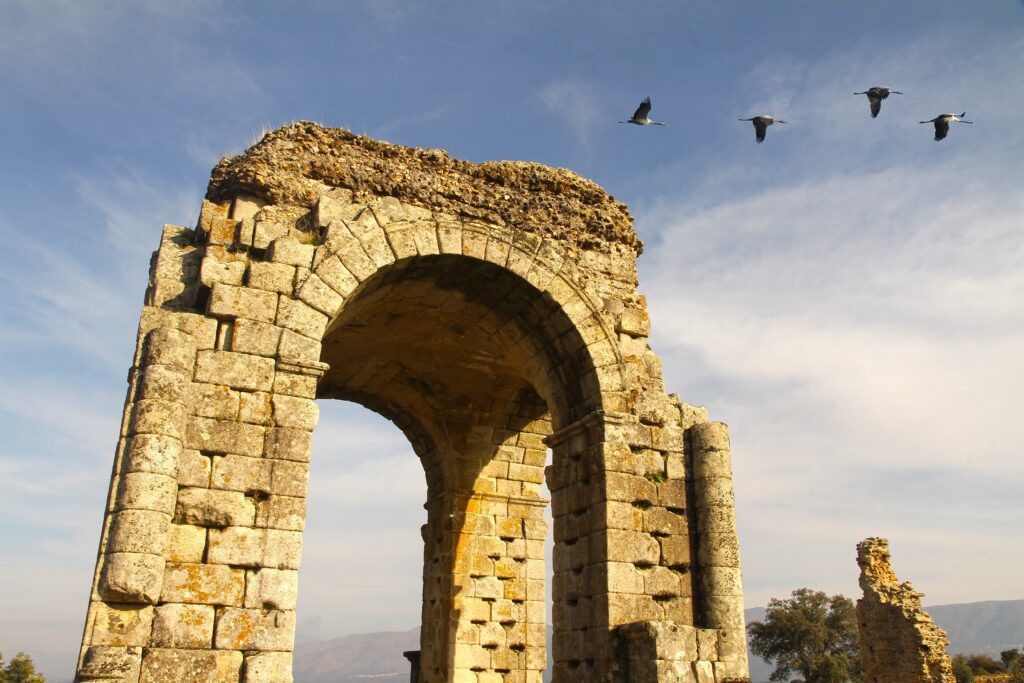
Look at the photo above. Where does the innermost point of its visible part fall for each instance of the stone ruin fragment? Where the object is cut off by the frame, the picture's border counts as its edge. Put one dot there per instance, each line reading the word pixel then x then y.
pixel 899 642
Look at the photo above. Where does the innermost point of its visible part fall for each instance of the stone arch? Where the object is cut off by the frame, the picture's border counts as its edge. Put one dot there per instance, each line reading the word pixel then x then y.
pixel 489 311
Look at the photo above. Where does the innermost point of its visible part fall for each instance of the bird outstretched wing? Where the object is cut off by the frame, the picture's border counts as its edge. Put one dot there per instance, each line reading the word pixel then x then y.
pixel 941 128
pixel 760 128
pixel 643 110
pixel 876 105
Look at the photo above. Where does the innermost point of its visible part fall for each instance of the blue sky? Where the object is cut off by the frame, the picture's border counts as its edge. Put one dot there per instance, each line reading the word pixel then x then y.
pixel 847 296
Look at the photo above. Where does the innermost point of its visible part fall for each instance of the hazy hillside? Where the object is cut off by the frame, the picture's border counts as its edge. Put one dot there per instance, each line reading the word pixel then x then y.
pixel 361 658
pixel 377 657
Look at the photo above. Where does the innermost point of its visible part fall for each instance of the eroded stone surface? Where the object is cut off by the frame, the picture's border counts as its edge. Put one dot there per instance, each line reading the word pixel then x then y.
pixel 899 642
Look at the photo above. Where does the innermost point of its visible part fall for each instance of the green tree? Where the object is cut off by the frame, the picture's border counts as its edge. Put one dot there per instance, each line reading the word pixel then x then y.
pixel 21 670
pixel 1007 656
pixel 1016 669
pixel 962 670
pixel 810 634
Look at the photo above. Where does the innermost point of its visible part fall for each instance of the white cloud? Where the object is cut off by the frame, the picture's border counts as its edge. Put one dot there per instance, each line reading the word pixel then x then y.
pixel 576 103
pixel 854 351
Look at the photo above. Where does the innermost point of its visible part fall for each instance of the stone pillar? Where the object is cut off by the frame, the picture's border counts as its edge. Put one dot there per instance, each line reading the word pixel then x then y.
pixel 130 568
pixel 720 586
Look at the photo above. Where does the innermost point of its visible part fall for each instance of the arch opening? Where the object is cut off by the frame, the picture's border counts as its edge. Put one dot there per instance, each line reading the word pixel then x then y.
pixel 477 368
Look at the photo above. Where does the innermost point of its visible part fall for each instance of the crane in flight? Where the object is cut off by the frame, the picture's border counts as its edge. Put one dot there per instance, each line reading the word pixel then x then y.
pixel 761 124
pixel 640 115
pixel 942 123
pixel 876 95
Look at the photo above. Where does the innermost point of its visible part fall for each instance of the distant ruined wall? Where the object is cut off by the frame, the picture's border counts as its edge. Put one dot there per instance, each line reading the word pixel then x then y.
pixel 899 642
pixel 491 312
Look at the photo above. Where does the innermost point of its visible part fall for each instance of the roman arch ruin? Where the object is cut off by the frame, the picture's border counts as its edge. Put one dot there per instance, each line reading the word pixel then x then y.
pixel 491 312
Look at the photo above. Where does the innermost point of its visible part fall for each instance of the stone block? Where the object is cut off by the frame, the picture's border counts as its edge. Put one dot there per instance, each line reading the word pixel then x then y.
pixel 271 589
pixel 195 666
pixel 730 671
pixel 121 625
pixel 281 512
pixel 255 338
pixel 732 645
pixel 156 453
pixel 131 577
pixel 632 547
pixel 708 436
pixel 204 584
pixel 236 546
pixel 169 346
pixel 663 521
pixel 229 301
pixel 242 473
pixel 218 436
pixel 295 413
pixel 254 407
pixel 214 401
pixel 356 261
pixel 214 508
pixel 301 317
pixel 268 667
pixel 723 612
pixel 214 270
pixel 629 488
pixel 401 241
pixel 295 384
pixel 290 251
pixel 138 531
pixel 618 577
pixel 295 346
pixel 707 644
pixel 675 551
pixel 164 382
pixel 154 416
pixel 272 277
pixel 328 209
pixel 336 276
pixel 283 549
pixel 320 296
pixel 255 629
pixel 193 469
pixel 110 663
pixel 289 444
pixel 146 491
pixel 289 478
pixel 183 626
pixel 718 550
pixel 236 370
pixel 449 236
pixel 185 543
pixel 266 230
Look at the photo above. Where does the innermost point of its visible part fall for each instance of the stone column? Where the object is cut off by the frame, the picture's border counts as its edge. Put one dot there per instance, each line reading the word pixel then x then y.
pixel 131 564
pixel 720 588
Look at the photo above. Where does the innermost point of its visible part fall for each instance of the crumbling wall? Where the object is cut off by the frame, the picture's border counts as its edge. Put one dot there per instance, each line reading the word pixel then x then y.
pixel 899 642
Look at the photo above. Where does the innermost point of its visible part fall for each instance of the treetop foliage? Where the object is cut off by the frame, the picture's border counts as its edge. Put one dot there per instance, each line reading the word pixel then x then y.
pixel 811 634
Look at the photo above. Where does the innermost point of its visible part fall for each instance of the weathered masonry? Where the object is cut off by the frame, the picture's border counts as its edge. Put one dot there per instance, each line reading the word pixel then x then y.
pixel 491 312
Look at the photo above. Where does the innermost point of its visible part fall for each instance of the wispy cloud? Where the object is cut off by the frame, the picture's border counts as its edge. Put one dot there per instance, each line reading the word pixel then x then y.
pixel 850 347
pixel 576 104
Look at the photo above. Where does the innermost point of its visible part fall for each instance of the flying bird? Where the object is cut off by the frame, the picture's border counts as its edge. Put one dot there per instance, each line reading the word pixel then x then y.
pixel 640 115
pixel 761 124
pixel 942 123
pixel 876 95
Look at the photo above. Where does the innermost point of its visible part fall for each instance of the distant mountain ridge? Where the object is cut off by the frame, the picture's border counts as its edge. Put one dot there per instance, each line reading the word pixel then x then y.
pixel 988 626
